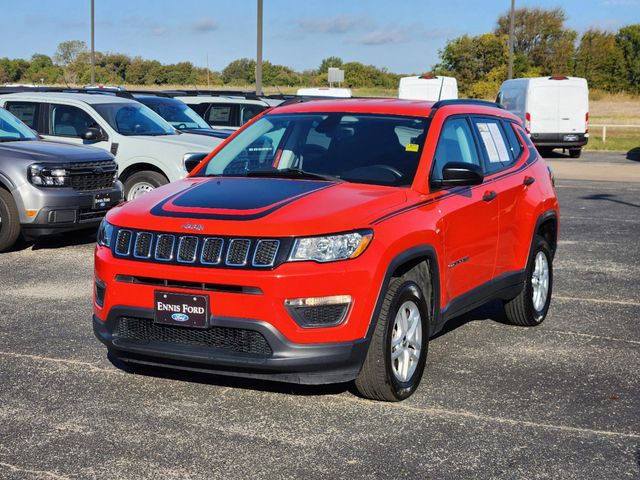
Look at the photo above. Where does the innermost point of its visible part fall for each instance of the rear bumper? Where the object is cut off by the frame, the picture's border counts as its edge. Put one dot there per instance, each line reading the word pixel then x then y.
pixel 559 140
pixel 287 362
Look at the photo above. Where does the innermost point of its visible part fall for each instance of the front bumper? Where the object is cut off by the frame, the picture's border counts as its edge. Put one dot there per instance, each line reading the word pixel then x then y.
pixel 285 361
pixel 62 210
pixel 559 140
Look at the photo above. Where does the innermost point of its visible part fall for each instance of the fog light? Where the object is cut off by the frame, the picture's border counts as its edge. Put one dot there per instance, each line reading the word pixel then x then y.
pixel 316 312
pixel 99 290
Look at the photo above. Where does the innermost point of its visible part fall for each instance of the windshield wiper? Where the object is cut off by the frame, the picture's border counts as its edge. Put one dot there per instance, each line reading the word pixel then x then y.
pixel 292 173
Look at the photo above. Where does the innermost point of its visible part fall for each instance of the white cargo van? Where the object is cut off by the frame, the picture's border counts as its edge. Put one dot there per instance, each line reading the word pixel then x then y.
pixel 555 110
pixel 428 87
pixel 324 92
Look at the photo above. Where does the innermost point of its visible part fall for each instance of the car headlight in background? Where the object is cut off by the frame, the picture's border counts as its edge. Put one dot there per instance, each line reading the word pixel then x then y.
pixel 43 175
pixel 331 248
pixel 105 233
pixel 192 160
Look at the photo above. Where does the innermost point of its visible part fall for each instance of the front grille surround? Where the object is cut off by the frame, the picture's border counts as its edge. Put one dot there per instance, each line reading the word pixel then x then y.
pixel 210 251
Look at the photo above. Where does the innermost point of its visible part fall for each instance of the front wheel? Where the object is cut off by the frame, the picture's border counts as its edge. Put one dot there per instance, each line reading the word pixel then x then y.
pixel 397 354
pixel 530 307
pixel 143 182
pixel 9 221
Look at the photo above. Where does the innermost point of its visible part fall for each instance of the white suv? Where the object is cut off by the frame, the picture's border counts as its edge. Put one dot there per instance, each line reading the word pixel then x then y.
pixel 149 151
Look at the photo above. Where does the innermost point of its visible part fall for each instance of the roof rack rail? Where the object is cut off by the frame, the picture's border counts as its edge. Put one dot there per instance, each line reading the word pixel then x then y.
pixel 465 101
pixel 92 91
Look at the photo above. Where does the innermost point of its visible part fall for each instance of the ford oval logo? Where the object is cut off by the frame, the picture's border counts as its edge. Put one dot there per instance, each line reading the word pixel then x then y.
pixel 180 317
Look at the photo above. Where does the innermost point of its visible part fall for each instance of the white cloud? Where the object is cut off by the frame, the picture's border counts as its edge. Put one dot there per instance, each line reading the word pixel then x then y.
pixel 205 25
pixel 335 25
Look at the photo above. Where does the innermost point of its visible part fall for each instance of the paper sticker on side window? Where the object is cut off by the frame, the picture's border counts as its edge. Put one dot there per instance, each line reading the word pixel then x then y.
pixel 493 142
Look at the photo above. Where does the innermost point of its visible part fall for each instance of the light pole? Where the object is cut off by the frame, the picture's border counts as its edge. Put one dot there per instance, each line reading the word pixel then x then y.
pixel 93 45
pixel 511 28
pixel 259 52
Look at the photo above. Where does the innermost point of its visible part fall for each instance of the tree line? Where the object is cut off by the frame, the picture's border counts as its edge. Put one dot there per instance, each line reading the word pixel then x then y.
pixel 543 45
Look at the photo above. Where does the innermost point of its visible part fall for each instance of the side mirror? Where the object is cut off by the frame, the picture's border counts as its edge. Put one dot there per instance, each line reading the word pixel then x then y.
pixel 192 160
pixel 92 135
pixel 457 174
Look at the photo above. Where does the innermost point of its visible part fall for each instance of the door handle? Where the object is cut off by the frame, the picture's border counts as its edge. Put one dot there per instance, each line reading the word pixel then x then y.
pixel 528 180
pixel 488 196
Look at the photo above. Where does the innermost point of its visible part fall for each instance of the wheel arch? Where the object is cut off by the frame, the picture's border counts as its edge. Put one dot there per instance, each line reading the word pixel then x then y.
pixel 140 167
pixel 547 228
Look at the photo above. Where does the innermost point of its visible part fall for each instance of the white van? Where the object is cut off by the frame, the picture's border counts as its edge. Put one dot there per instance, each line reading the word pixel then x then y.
pixel 555 110
pixel 428 87
pixel 324 92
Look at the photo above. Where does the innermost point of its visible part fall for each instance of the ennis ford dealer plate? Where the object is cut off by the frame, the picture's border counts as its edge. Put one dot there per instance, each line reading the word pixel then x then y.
pixel 181 309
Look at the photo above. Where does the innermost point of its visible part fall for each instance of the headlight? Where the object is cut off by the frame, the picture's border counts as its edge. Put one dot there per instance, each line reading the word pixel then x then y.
pixel 105 233
pixel 44 175
pixel 191 160
pixel 331 248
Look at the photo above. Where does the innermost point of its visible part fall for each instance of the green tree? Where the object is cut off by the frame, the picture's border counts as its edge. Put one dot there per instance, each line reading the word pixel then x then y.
pixel 601 61
pixel 42 70
pixel 628 39
pixel 68 52
pixel 540 35
pixel 330 62
pixel 240 72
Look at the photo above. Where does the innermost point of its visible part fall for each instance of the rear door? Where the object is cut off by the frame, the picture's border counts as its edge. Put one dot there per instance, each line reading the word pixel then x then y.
pixel 469 214
pixel 543 108
pixel 572 107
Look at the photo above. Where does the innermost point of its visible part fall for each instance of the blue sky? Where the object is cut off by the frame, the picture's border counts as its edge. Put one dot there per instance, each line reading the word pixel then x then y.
pixel 401 35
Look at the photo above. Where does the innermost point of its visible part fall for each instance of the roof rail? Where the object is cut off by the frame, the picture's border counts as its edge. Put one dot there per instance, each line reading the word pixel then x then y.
pixel 465 101
pixel 91 91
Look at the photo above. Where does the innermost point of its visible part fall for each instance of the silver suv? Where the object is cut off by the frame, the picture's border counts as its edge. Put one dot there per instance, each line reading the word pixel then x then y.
pixel 48 187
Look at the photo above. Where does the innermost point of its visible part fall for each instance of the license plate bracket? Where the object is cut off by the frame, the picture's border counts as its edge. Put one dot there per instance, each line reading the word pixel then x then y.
pixel 101 200
pixel 181 309
pixel 571 138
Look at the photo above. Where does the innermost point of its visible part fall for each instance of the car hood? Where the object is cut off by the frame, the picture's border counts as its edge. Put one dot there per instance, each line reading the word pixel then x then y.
pixel 258 206
pixel 46 151
pixel 188 142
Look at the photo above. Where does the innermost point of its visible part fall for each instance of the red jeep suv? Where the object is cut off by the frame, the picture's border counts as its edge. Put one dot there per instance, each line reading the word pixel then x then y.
pixel 327 241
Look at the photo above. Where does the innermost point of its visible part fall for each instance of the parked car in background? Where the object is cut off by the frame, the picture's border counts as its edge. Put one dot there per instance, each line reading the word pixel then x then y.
pixel 49 187
pixel 325 92
pixel 179 115
pixel 328 241
pixel 428 87
pixel 222 110
pixel 555 110
pixel 149 151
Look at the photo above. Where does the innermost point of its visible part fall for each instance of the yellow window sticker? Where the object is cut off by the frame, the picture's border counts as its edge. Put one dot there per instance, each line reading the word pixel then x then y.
pixel 412 147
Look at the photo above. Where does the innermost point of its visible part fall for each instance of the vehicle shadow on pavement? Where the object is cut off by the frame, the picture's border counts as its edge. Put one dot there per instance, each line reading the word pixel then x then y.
pixel 634 154
pixel 493 310
pixel 609 197
pixel 56 241
pixel 233 382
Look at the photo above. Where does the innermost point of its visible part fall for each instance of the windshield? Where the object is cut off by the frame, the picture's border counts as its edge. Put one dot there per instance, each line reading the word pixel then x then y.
pixel 360 148
pixel 133 119
pixel 12 129
pixel 177 113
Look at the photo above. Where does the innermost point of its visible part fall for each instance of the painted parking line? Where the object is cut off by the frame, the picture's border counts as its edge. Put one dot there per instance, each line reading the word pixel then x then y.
pixel 597 300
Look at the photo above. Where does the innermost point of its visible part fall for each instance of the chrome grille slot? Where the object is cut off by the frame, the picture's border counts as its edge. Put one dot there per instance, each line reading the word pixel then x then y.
pixel 142 248
pixel 265 254
pixel 238 252
pixel 164 247
pixel 123 242
pixel 211 251
pixel 187 249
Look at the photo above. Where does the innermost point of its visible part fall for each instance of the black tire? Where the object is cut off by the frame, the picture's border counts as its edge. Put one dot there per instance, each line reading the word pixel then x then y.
pixel 575 152
pixel 545 151
pixel 9 221
pixel 376 380
pixel 145 178
pixel 521 310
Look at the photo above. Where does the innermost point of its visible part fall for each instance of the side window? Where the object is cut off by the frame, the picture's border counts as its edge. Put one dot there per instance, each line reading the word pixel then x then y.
pixel 25 111
pixel 221 114
pixel 69 121
pixel 247 112
pixel 494 143
pixel 514 141
pixel 455 144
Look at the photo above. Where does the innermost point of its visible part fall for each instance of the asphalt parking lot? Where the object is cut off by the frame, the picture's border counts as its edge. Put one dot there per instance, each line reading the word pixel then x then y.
pixel 558 401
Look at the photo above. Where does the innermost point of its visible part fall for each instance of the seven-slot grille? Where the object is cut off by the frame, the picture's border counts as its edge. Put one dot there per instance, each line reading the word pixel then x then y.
pixel 197 250
pixel 89 176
